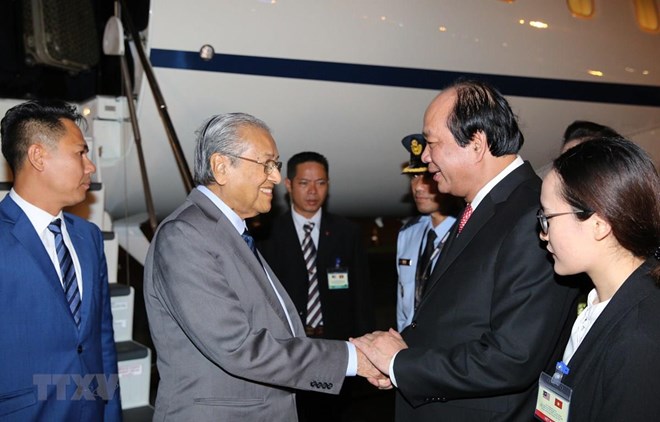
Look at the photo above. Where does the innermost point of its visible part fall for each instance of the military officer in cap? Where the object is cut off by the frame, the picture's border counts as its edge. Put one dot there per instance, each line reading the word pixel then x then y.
pixel 421 239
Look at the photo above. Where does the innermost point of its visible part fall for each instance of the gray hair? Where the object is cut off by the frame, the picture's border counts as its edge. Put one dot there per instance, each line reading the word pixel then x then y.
pixel 219 134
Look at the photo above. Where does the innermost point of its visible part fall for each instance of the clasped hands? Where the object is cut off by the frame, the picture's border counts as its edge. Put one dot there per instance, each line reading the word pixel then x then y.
pixel 375 352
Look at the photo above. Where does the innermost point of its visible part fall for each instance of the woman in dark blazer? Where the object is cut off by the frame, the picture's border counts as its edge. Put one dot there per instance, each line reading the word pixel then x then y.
pixel 603 197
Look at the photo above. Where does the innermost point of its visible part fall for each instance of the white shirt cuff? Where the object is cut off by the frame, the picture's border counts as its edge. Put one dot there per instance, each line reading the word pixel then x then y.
pixel 351 370
pixel 392 377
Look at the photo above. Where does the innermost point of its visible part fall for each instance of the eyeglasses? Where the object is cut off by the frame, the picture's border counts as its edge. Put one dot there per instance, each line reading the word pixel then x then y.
pixel 269 166
pixel 543 218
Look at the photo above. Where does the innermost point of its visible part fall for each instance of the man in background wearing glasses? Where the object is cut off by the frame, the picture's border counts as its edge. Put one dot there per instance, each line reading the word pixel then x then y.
pixel 325 272
pixel 230 344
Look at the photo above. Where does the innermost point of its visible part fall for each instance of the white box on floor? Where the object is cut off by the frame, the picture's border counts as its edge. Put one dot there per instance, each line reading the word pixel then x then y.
pixel 134 364
pixel 122 300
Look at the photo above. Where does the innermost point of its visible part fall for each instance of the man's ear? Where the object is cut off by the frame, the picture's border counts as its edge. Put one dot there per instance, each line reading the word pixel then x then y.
pixel 35 156
pixel 601 228
pixel 479 144
pixel 287 183
pixel 219 166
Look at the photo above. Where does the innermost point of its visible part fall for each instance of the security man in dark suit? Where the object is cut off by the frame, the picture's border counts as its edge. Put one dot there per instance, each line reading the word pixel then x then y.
pixel 321 261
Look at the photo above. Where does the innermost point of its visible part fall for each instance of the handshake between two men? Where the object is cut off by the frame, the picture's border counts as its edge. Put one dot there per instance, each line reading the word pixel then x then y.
pixel 375 353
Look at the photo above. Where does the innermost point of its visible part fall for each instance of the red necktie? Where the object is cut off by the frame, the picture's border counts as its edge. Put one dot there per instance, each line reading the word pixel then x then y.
pixel 467 212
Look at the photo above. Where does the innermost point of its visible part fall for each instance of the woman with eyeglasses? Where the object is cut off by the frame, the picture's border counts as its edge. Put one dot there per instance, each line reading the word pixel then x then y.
pixel 601 215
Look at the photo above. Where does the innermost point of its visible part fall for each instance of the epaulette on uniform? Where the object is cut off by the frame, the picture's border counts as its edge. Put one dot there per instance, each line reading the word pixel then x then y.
pixel 411 222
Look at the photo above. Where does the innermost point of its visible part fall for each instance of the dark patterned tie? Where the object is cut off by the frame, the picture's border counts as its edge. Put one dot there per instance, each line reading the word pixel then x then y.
pixel 467 212
pixel 424 266
pixel 68 270
pixel 314 315
pixel 250 242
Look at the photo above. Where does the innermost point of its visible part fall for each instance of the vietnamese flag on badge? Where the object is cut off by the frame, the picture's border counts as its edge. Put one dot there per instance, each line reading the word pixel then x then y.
pixel 559 403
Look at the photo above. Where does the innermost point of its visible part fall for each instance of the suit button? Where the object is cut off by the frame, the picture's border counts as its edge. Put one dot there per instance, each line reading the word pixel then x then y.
pixel 413 325
pixel 80 348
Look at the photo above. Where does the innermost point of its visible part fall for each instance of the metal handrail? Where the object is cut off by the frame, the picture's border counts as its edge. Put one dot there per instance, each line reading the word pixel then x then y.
pixel 151 211
pixel 160 100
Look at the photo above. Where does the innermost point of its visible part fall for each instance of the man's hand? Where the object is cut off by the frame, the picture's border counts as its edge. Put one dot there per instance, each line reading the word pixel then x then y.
pixel 380 347
pixel 367 370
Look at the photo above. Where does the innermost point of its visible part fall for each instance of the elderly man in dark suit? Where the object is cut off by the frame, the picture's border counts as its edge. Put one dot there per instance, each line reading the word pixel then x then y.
pixel 492 315
pixel 322 263
pixel 57 350
pixel 230 344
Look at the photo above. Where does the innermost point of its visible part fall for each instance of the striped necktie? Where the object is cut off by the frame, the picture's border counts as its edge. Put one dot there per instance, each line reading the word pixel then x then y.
pixel 68 271
pixel 314 315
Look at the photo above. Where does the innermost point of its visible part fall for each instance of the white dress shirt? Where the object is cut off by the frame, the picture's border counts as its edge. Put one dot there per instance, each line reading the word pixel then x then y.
pixel 40 220
pixel 583 323
pixel 299 223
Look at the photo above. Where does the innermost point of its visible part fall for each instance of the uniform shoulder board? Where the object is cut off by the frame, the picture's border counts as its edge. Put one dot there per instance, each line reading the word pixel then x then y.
pixel 411 222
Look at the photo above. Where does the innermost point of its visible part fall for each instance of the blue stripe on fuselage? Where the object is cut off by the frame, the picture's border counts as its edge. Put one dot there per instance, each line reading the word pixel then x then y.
pixel 557 89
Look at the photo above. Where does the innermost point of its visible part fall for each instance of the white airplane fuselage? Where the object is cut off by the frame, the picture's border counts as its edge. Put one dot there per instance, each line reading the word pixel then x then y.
pixel 350 78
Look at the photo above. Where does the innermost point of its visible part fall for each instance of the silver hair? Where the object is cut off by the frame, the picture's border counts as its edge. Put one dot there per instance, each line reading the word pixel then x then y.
pixel 219 134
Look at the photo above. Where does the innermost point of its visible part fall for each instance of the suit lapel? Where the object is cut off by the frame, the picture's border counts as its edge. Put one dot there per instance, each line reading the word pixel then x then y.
pixel 288 303
pixel 85 252
pixel 25 234
pixel 291 242
pixel 457 243
pixel 633 291
pixel 296 270
pixel 237 246
pixel 480 217
pixel 323 258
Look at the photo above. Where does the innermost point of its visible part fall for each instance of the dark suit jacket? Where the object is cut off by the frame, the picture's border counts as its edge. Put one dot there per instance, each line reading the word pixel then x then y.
pixel 39 339
pixel 346 312
pixel 615 372
pixel 490 318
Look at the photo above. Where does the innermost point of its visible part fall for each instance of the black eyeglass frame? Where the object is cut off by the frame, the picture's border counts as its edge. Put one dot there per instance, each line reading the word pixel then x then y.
pixel 269 165
pixel 543 218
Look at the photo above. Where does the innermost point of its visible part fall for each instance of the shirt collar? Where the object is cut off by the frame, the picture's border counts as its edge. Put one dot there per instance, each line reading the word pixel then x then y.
pixel 39 218
pixel 299 221
pixel 495 180
pixel 236 221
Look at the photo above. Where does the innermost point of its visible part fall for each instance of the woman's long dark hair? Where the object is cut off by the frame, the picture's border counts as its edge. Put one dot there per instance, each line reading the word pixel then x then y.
pixel 616 179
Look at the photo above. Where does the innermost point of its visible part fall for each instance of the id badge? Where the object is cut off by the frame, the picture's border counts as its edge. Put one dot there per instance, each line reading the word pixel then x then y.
pixel 337 277
pixel 554 398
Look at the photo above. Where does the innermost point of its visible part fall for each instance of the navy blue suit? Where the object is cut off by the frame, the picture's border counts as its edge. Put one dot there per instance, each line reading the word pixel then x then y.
pixel 40 344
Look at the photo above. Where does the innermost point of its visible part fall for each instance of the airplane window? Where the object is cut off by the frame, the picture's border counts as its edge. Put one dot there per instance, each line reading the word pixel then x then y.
pixel 646 12
pixel 581 8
